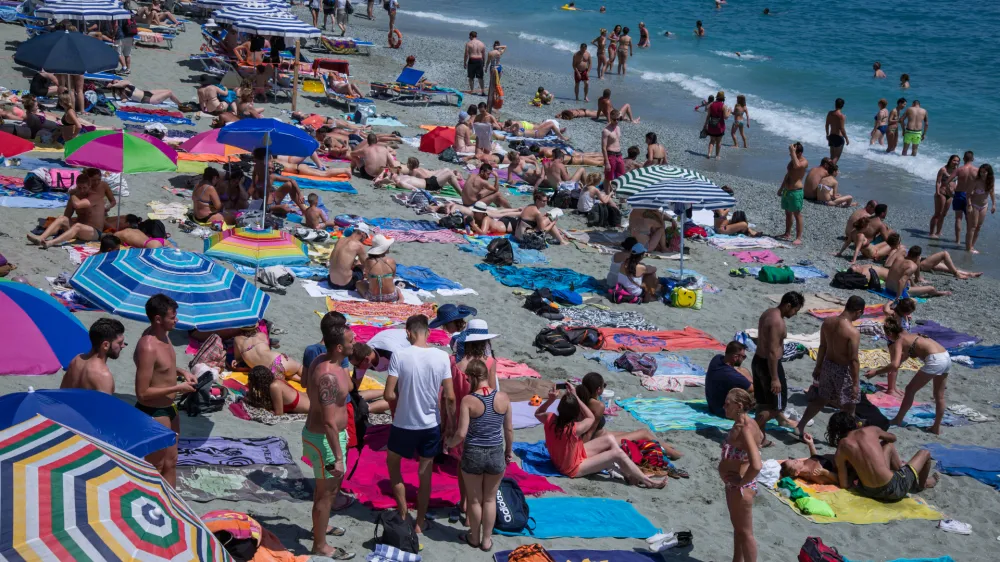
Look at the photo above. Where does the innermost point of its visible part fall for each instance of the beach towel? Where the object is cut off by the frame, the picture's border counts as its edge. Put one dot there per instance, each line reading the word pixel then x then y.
pixel 878 358
pixel 73 301
pixel 871 310
pixel 800 271
pixel 923 416
pixel 17 202
pixel 539 277
pixel 322 289
pixel 377 121
pixel 322 184
pixel 981 463
pixel 80 252
pixel 622 339
pixel 589 518
pixel 425 236
pixel 232 451
pixel 205 157
pixel 535 458
pixel 299 271
pixel 766 257
pixel 510 369
pixel 665 414
pixel 740 242
pixel 370 483
pixel 166 211
pixel 523 388
pixel 242 378
pixel 667 364
pixel 477 246
pixel 146 118
pixel 592 556
pixel 589 316
pixel 851 507
pixel 424 278
pixel 389 223
pixel 813 300
pixel 887 295
pixel 255 483
pixel 945 336
pixel 365 333
pixel 392 311
pixel 980 355
pixel 523 417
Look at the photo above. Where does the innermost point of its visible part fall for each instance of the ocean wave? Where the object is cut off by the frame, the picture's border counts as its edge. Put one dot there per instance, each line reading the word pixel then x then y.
pixel 447 19
pixel 557 44
pixel 742 55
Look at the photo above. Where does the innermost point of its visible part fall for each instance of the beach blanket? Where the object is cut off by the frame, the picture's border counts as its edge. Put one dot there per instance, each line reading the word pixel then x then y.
pixel 365 333
pixel 585 518
pixel 377 121
pixel 539 277
pixel 477 246
pixel 667 364
pixel 392 311
pixel 206 157
pixel 593 556
pixel 370 483
pixel 19 202
pixel 389 223
pixel 887 295
pixel 322 289
pixel 425 236
pixel 73 301
pixel 980 355
pixel 851 507
pixel 80 252
pixel 242 378
pixel 322 184
pixel 876 359
pixel 665 414
pixel 232 451
pixel 922 416
pixel 981 463
pixel 622 339
pixel 588 316
pixel 766 257
pixel 871 310
pixel 535 458
pixel 166 211
pixel 254 483
pixel 299 271
pixel 11 181
pixel 800 271
pixel 740 242
pixel 424 278
pixel 135 117
pixel 943 335
pixel 510 369
pixel 523 417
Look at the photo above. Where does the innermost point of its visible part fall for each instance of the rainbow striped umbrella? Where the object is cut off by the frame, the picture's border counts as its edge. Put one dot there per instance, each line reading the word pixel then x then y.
pixel 257 247
pixel 40 336
pixel 67 497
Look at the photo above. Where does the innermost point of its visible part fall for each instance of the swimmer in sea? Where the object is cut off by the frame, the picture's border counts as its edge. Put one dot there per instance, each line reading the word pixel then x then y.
pixel 767 11
pixel 643 36
pixel 904 81
pixel 666 34
pixel 699 30
pixel 877 67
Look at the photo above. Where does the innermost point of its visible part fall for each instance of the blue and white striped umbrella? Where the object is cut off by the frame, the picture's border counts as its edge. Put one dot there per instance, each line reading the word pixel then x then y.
pixel 209 296
pixel 280 25
pixel 249 10
pixel 219 4
pixel 89 10
pixel 653 187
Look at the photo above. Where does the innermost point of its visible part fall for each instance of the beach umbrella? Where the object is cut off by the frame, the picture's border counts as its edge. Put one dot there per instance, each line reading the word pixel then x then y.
pixel 12 145
pixel 209 296
pixel 437 140
pixel 257 247
pixel 62 52
pixel 98 415
pixel 223 4
pixel 246 10
pixel 88 10
pixel 70 497
pixel 280 24
pixel 40 336
pixel 208 143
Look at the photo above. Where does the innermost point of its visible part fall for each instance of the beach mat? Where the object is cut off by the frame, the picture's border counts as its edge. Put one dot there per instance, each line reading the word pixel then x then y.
pixel 589 518
pixel 389 223
pixel 665 414
pixel 477 245
pixel 591 556
pixel 626 339
pixel 393 311
pixel 802 272
pixel 535 458
pixel 543 277
pixel 424 278
pixel 945 336
pixel 851 507
pixel 307 183
pixel 424 236
pixel 980 355
pixel 232 451
pixel 981 463
pixel 255 483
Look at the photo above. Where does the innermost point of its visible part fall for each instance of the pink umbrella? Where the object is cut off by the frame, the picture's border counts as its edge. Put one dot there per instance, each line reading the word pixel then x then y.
pixel 208 143
pixel 118 151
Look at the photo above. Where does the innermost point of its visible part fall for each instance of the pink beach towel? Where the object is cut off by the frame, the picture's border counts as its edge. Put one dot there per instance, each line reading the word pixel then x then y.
pixel 365 333
pixel 439 236
pixel 509 369
pixel 766 257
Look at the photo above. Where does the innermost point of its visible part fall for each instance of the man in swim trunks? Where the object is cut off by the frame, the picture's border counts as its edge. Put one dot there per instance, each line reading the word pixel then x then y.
pixel 769 385
pixel 915 127
pixel 836 130
pixel 604 109
pixel 892 133
pixel 324 435
pixel 871 453
pixel 581 72
pixel 478 188
pixel 836 377
pixel 433 181
pixel 967 174
pixel 89 370
pixel 370 160
pixel 156 376
pixel 611 149
pixel 87 200
pixel 473 61
pixel 902 272
pixel 813 178
pixel 791 193
pixel 344 270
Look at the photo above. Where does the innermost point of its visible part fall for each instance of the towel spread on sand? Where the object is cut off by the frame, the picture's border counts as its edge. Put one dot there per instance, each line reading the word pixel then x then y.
pixel 522 389
pixel 886 295
pixel 535 458
pixel 392 311
pixel 510 369
pixel 665 414
pixel 588 316
pixel 667 364
pixel 147 118
pixel 851 507
pixel 370 483
pixel 595 556
pixel 307 183
pixel 585 518
pixel 523 416
pixel 258 484
pixel 621 339
pixel 299 271
pixel 923 416
pixel 425 236
pixel 740 242
pixel 322 289
pixel 424 278
pixel 871 310
pixel 477 246
pixel 167 211
pixel 80 252
pixel 539 277
pixel 232 451
pixel 766 257
pixel 389 223
pixel 800 271
pixel 878 358
pixel 981 355
pixel 23 202
pixel 365 333
pixel 945 336
pixel 980 463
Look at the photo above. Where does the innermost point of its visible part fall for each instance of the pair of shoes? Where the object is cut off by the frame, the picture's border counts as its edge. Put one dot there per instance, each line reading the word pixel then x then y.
pixel 739 272
pixel 670 540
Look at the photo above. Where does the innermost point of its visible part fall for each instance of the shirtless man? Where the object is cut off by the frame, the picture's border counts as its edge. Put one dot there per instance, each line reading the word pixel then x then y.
pixel 892 134
pixel 473 61
pixel 902 272
pixel 867 211
pixel 88 202
pixel 769 386
pixel 624 50
pixel 314 216
pixel 892 250
pixel 915 127
pixel 874 228
pixel 369 161
pixel 791 193
pixel 581 72
pixel 601 43
pixel 89 370
pixel 871 453
pixel 611 149
pixel 156 376
pixel 655 153
pixel 463 135
pixel 555 172
pixel 836 377
pixel 478 188
pixel 324 435
pixel 813 178
pixel 604 108
pixel 967 174
pixel 836 130
pixel 432 181
pixel 347 254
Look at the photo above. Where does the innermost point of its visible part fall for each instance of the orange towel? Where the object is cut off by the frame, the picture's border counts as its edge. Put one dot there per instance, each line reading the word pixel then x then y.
pixel 622 339
pixel 204 157
pixel 432 127
pixel 340 177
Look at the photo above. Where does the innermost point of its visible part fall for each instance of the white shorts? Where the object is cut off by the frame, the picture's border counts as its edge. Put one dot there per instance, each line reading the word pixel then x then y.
pixel 937 364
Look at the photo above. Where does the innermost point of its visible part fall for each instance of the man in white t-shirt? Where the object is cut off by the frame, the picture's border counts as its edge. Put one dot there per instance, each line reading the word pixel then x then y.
pixel 416 375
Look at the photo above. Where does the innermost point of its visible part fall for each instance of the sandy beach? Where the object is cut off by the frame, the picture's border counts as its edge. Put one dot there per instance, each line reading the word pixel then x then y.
pixel 696 504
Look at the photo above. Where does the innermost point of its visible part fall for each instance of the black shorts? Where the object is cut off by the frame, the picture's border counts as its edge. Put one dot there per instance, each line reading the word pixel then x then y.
pixel 767 400
pixel 432 184
pixel 510 222
pixel 476 67
pixel 356 276
pixel 835 141
pixel 410 443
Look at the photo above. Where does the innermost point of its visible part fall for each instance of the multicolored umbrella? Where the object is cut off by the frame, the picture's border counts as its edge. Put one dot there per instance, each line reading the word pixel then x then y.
pixel 12 145
pixel 257 247
pixel 208 143
pixel 67 497
pixel 209 296
pixel 39 335
pixel 120 151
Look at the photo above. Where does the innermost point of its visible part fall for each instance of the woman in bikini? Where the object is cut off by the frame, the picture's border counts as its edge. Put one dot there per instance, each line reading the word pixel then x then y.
pixel 207 207
pixel 245 108
pixel 379 271
pixel 483 224
pixel 253 347
pixel 135 238
pixel 881 123
pixel 976 208
pixel 739 113
pixel 601 43
pixel 269 392
pixel 71 124
pixel 126 91
pixel 213 99
pixel 736 225
pixel 944 191
pixel 612 47
pixel 738 469
pixel 826 190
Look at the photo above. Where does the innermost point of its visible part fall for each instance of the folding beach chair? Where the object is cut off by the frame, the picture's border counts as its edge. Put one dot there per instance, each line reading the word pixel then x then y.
pixel 351 103
pixel 407 88
pixel 346 46
pixel 149 38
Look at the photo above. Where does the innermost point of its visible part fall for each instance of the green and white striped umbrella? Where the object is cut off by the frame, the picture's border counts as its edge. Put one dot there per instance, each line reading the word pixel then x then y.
pixel 656 186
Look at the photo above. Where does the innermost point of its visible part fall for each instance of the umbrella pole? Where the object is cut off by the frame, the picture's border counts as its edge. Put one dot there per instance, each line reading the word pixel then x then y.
pixel 683 219
pixel 118 224
pixel 295 79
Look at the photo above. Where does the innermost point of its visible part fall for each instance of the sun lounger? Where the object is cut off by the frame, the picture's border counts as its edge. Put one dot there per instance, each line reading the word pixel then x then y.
pixel 407 88
pixel 147 37
pixel 346 46
pixel 351 103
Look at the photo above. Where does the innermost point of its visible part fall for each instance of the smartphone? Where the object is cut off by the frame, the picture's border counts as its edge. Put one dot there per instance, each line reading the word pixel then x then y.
pixel 560 386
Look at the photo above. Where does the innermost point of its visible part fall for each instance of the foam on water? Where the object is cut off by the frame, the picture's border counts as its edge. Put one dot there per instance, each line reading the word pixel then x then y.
pixel 469 22
pixel 556 44
pixel 743 55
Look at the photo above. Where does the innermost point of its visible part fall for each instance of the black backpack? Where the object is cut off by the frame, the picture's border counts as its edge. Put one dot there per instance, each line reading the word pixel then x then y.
pixel 587 337
pixel 870 414
pixel 360 406
pixel 555 342
pixel 536 301
pixel 500 252
pixel 849 280
pixel 201 400
pixel 562 199
pixel 396 531
pixel 874 283
pixel 35 184
pixel 512 509
pixel 452 222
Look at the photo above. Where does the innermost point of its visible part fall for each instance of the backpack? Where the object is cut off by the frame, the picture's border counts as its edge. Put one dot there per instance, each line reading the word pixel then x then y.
pixel 585 336
pixel 815 551
pixel 562 199
pixel 201 401
pixel 540 301
pixel 452 222
pixel 532 241
pixel 874 283
pixel 604 216
pixel 849 280
pixel 396 531
pixel 130 29
pixel 555 342
pixel 356 433
pixel 500 252
pixel 618 295
pixel 512 508
pixel 34 183
pixel 772 274
pixel 637 363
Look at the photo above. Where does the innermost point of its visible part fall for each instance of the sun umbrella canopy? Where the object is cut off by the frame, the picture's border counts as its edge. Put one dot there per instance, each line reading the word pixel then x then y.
pixel 280 25
pixel 92 413
pixel 279 138
pixel 437 140
pixel 257 248
pixel 653 187
pixel 220 4
pixel 39 335
pixel 119 151
pixel 247 10
pixel 209 296
pixel 208 143
pixel 67 497
pixel 12 145
pixel 62 52
pixel 89 10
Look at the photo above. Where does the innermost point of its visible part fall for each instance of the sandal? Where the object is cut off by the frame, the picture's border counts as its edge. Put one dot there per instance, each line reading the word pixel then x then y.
pixel 484 549
pixel 341 554
pixel 335 531
pixel 676 473
pixel 464 537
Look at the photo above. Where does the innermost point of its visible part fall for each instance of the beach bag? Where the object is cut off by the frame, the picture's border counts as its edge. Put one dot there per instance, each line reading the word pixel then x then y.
pixel 555 342
pixel 585 336
pixel 815 551
pixel 849 280
pixel 130 29
pixel 34 183
pixel 637 363
pixel 652 455
pixel 618 295
pixel 348 8
pixel 540 301
pixel 563 296
pixel 512 508
pixel 874 282
pixel 778 275
pixel 682 297
pixel 452 222
pixel 562 199
pixel 357 410
pixel 532 241
pixel 202 401
pixel 396 531
pixel 500 252
pixel 530 553
pixel 212 353
pixel 63 180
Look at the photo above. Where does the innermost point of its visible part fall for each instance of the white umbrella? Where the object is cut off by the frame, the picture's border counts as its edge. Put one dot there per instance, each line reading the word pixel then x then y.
pixel 88 10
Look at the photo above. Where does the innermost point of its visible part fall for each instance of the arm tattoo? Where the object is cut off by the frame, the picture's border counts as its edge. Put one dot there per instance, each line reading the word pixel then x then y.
pixel 329 391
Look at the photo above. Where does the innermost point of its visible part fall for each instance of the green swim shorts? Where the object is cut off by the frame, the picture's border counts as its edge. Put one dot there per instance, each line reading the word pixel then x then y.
pixel 791 201
pixel 317 449
pixel 912 137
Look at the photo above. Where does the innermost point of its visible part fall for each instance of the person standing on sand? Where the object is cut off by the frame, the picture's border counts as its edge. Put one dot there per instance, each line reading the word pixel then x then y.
pixel 581 72
pixel 892 134
pixel 769 386
pixel 715 123
pixel 738 468
pixel 624 51
pixel 611 149
pixel 473 61
pixel 881 123
pixel 915 125
pixel 977 206
pixel 89 370
pixel 156 375
pixel 740 113
pixel 791 192
pixel 324 435
pixel 643 36
pixel 944 191
pixel 600 42
pixel 393 6
pixel 967 175
pixel 836 379
pixel 836 130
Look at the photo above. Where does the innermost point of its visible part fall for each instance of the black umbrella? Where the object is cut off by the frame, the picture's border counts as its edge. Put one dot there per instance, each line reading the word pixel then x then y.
pixel 63 52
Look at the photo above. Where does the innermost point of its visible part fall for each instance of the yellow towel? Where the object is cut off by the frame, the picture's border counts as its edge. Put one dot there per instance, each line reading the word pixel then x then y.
pixel 859 510
pixel 878 358
pixel 369 383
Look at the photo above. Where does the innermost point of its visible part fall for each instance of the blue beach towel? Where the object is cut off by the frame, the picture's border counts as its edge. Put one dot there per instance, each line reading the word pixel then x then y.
pixel 388 223
pixel 665 414
pixel 376 121
pixel 477 246
pixel 886 295
pixel 981 463
pixel 588 518
pixel 800 271
pixel 981 355
pixel 535 459
pixel 147 118
pixel 424 278
pixel 320 184
pixel 923 416
pixel 17 202
pixel 538 277
pixel 30 163
pixel 591 555
pixel 299 271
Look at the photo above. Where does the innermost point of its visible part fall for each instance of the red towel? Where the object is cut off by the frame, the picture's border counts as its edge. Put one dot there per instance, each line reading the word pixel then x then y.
pixel 365 333
pixel 622 339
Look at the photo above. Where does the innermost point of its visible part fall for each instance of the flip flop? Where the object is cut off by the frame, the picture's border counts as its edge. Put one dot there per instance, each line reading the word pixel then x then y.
pixel 487 549
pixel 341 554
pixel 335 531
pixel 464 537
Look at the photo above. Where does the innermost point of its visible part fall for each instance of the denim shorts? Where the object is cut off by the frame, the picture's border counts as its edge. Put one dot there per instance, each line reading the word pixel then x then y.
pixel 483 460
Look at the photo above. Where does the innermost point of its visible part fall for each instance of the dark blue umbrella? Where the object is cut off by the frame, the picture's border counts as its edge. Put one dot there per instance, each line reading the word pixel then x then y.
pixel 62 52
pixel 92 413
pixel 277 137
